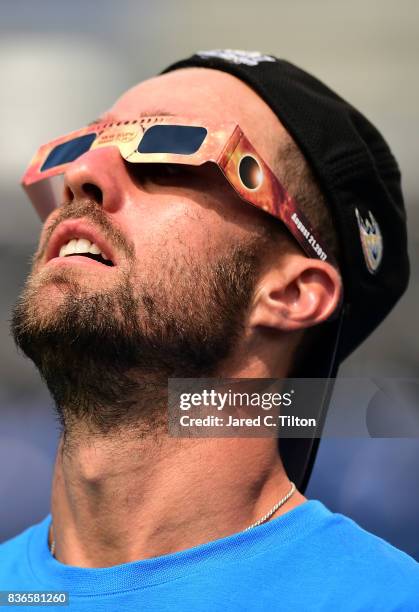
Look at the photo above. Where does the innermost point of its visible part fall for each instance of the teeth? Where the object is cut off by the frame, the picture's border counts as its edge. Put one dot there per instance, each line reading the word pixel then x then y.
pixel 94 249
pixel 80 245
pixel 71 246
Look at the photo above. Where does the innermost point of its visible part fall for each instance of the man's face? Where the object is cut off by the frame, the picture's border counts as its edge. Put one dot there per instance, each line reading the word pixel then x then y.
pixel 185 252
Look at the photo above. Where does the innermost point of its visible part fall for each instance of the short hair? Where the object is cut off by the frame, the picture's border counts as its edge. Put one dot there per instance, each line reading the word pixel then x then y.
pixel 294 172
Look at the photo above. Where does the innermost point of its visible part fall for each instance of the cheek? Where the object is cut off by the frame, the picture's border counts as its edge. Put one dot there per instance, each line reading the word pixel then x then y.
pixel 48 223
pixel 45 235
pixel 178 227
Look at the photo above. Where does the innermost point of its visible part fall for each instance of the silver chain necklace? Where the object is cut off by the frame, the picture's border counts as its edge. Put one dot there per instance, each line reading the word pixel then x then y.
pixel 272 511
pixel 264 518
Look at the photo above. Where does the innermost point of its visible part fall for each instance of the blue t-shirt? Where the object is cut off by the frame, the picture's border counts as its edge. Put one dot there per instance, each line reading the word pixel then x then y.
pixel 307 559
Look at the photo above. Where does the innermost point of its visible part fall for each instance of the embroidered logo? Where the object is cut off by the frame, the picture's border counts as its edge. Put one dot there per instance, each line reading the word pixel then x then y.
pixel 237 56
pixel 371 240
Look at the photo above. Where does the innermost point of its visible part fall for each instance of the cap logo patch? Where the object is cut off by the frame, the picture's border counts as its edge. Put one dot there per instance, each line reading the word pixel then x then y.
pixel 237 56
pixel 371 240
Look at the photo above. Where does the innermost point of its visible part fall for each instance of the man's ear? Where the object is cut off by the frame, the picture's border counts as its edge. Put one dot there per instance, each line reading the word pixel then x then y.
pixel 296 293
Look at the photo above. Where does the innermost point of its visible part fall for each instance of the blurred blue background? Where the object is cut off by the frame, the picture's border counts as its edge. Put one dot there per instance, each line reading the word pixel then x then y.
pixel 62 64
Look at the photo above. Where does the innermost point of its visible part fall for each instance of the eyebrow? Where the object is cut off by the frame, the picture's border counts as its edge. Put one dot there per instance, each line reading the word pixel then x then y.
pixel 152 113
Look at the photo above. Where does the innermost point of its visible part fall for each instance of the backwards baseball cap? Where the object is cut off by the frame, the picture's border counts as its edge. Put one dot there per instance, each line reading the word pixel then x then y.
pixel 360 180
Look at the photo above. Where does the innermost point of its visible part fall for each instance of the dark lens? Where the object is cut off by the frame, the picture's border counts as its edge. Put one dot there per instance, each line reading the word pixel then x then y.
pixel 250 172
pixel 68 151
pixel 180 139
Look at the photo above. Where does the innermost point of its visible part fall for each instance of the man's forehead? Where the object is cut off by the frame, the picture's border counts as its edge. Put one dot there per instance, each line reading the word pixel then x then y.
pixel 206 94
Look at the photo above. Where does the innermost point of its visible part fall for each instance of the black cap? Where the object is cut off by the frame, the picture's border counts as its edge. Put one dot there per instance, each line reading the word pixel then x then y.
pixel 360 180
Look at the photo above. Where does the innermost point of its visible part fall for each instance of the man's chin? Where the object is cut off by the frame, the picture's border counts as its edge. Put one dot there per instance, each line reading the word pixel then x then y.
pixel 49 291
pixel 58 280
pixel 51 295
pixel 49 286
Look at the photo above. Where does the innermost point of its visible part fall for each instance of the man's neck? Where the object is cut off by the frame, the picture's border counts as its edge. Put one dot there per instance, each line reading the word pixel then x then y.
pixel 117 500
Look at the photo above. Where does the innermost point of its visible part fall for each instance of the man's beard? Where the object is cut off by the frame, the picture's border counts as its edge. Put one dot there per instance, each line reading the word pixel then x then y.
pixel 106 356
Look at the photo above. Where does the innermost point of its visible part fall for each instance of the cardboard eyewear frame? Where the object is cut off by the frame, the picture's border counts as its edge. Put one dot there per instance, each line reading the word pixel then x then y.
pixel 175 140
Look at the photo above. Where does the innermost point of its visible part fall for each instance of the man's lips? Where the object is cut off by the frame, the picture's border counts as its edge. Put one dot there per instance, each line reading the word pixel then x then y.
pixel 77 228
pixel 71 260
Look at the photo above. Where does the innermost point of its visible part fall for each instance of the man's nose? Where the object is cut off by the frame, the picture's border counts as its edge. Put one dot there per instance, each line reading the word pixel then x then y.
pixel 98 175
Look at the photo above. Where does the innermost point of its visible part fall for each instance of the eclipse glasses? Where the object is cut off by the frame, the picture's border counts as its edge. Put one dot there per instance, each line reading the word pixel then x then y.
pixel 174 140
